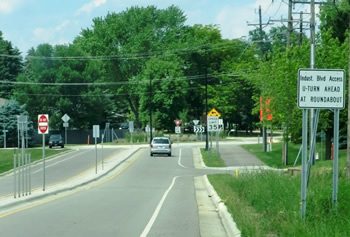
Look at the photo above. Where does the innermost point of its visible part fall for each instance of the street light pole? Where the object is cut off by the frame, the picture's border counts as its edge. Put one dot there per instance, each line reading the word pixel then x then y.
pixel 150 107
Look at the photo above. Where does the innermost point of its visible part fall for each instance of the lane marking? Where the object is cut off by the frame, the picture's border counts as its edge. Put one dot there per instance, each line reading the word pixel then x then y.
pixel 179 160
pixel 157 210
pixel 37 204
pixel 57 162
pixel 76 191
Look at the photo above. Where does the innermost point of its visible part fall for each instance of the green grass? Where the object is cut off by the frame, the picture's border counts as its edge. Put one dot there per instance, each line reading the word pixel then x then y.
pixel 213 160
pixel 6 156
pixel 274 158
pixel 268 203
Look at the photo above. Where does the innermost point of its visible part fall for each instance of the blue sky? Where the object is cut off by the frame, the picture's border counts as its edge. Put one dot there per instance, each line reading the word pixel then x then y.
pixel 28 23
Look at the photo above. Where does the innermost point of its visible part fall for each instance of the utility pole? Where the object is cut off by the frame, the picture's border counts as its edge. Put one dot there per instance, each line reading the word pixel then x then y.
pixel 313 66
pixel 348 137
pixel 150 108
pixel 261 35
pixel 301 28
pixel 261 44
pixel 262 58
pixel 290 23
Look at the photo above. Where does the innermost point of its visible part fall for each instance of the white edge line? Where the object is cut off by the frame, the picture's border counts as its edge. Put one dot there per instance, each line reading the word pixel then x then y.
pixel 179 161
pixel 57 162
pixel 157 210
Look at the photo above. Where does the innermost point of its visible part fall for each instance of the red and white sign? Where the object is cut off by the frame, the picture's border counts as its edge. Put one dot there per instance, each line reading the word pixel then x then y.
pixel 177 122
pixel 43 124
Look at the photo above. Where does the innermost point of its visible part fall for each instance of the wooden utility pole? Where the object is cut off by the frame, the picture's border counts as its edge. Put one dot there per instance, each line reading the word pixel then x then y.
pixel 261 44
pixel 290 23
pixel 348 138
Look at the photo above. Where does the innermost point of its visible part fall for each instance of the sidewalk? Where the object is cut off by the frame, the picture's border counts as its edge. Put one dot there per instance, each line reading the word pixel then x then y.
pixel 234 155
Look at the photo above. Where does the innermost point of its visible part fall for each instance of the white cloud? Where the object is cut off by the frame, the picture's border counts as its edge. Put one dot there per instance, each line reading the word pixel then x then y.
pixel 88 7
pixel 62 25
pixel 7 6
pixel 51 35
pixel 233 21
pixel 43 34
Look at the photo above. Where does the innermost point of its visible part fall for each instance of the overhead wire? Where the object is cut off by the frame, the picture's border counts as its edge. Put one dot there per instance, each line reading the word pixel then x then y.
pixel 194 77
pixel 130 56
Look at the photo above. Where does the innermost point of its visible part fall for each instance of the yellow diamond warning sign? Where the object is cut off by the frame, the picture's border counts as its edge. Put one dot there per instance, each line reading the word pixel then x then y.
pixel 213 113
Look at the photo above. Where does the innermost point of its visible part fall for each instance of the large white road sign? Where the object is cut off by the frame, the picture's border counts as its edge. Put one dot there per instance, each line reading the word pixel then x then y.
pixel 321 89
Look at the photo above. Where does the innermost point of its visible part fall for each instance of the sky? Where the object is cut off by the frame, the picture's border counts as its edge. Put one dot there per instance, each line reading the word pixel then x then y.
pixel 28 23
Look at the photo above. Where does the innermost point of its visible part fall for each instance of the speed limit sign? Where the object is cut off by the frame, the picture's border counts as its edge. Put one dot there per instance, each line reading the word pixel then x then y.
pixel 213 123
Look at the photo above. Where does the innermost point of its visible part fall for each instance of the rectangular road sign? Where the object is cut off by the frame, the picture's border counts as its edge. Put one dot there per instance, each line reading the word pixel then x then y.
pixel 213 123
pixel 96 131
pixel 177 129
pixel 321 89
pixel 198 129
pixel 131 126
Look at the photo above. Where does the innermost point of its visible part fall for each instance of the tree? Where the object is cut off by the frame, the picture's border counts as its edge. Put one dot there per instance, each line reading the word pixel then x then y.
pixel 10 66
pixel 133 35
pixel 48 87
pixel 8 118
pixel 335 18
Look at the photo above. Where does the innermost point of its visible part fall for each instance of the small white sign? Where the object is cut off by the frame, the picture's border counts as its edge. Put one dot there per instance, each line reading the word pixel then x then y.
pixel 196 122
pixel 321 89
pixel 65 118
pixel 213 123
pixel 96 131
pixel 221 124
pixel 66 125
pixel 177 129
pixel 131 126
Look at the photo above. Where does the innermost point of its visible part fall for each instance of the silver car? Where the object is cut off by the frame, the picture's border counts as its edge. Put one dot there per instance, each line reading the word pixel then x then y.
pixel 160 145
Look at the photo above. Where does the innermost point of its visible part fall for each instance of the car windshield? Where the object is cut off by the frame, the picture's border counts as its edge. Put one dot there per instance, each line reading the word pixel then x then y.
pixel 161 141
pixel 55 137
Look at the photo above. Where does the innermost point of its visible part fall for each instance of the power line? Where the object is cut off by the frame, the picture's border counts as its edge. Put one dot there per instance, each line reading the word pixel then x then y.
pixel 195 77
pixel 206 47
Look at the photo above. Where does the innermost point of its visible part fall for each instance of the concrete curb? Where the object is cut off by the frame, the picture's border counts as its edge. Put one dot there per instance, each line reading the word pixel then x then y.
pixel 226 218
pixel 26 199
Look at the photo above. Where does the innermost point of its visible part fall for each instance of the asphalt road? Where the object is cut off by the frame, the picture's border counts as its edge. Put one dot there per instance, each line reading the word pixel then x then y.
pixel 59 168
pixel 153 196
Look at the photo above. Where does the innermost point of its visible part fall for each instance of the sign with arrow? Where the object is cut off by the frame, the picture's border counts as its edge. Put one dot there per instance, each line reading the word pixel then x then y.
pixel 198 129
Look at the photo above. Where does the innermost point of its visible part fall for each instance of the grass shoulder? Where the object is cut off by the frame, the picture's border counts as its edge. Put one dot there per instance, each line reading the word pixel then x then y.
pixel 211 158
pixel 6 156
pixel 268 203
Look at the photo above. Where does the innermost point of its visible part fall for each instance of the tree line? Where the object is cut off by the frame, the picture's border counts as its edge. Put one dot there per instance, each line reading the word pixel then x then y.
pixel 147 58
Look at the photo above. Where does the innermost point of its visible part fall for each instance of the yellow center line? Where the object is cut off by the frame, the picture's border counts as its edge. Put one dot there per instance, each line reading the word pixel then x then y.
pixel 140 152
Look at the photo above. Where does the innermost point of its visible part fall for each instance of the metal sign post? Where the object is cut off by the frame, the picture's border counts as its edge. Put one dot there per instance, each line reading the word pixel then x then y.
pixel 335 159
pixel 22 123
pixel 319 89
pixel 65 119
pixel 102 153
pixel 43 128
pixel 304 164
pixel 96 134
